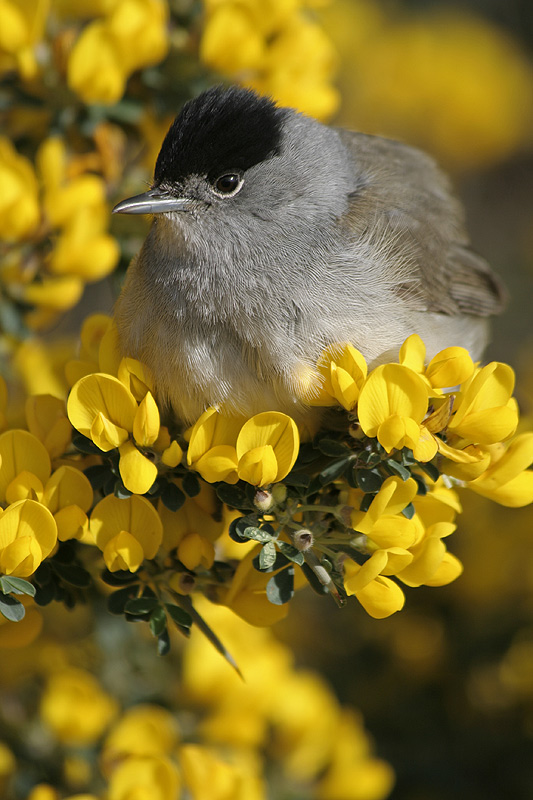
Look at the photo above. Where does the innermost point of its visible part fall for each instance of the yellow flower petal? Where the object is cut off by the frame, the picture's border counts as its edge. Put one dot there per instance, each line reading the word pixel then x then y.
pixel 136 377
pixel 72 523
pixel 172 455
pixel 426 447
pixel 451 367
pixel 138 473
pixel 26 486
pixel 209 431
pixel 397 432
pixel 68 486
pixel 393 531
pixel 356 576
pixel 134 514
pixel 21 451
pixel 103 396
pixel 392 498
pixel 195 550
pixel 147 421
pixel 413 353
pixel 218 464
pixel 391 390
pixel 274 429
pixel 28 520
pixel 123 551
pixel 105 434
pixel 449 569
pixel 258 466
pixel 47 419
pixel 381 597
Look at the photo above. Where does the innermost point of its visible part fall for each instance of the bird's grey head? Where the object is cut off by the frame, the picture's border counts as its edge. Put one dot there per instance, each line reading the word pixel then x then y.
pixel 239 166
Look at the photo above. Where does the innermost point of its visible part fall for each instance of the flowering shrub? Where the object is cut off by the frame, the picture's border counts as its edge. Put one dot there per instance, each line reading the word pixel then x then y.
pixel 244 511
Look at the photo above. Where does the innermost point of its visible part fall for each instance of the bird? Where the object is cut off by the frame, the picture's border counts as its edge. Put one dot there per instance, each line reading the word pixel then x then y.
pixel 275 236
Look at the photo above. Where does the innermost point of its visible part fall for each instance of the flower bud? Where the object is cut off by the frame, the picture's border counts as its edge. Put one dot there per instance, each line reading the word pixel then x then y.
pixel 279 493
pixel 303 540
pixel 263 500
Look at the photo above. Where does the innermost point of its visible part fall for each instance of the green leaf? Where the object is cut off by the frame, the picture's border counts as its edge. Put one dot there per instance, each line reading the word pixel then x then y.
pixel 118 578
pixel 291 552
pixel 233 496
pixel 172 497
pixel 84 445
pixel 334 471
pixel 116 601
pixel 409 511
pixel 369 480
pixel 8 584
pixel 141 605
pixel 332 448
pixel 408 458
pixel 280 587
pixel 72 573
pixel 158 621
pixel 120 490
pixel 430 469
pixel 179 616
pixel 395 468
pixel 300 480
pixel 267 555
pixel 98 475
pixel 191 484
pixel 163 643
pixel 279 563
pixel 258 534
pixel 11 608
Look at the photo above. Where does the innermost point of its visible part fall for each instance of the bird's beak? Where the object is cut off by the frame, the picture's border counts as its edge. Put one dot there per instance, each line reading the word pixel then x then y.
pixel 155 201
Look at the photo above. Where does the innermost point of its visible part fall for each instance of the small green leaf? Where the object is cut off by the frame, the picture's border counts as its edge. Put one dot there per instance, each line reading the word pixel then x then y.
pixel 120 491
pixel 8 584
pixel 280 587
pixel 118 578
pixel 291 552
pixel 11 608
pixel 233 496
pixel 191 484
pixel 180 617
pixel 116 601
pixel 267 555
pixel 300 480
pixel 430 469
pixel 334 470
pixel 158 621
pixel 163 643
pixel 409 511
pixel 369 480
pixel 395 468
pixel 141 605
pixel 172 497
pixel 84 445
pixel 279 563
pixel 332 448
pixel 366 502
pixel 98 475
pixel 408 458
pixel 72 573
pixel 258 534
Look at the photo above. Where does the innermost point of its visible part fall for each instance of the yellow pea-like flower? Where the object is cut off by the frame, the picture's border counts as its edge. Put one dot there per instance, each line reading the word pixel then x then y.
pixel 101 408
pixel 138 472
pixel 28 534
pixel 267 447
pixel 134 515
pixel 21 451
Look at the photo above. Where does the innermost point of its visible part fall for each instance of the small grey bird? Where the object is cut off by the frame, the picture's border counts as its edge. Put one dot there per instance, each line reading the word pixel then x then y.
pixel 275 236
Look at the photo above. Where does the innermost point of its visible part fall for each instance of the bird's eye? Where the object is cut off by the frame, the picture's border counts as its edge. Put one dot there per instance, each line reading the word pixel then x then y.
pixel 229 184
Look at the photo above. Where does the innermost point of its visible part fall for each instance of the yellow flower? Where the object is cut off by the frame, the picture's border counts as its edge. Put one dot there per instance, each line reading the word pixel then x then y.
pixel 76 708
pixel 20 451
pixel 393 496
pixel 132 36
pixel 267 447
pixel 208 777
pixel 138 472
pixel 127 531
pixel 3 404
pixel 450 367
pixel 101 408
pixel 211 449
pixel 136 377
pixel 508 480
pixel 28 534
pixel 19 202
pixel 231 41
pixel 344 370
pixel 22 28
pixel 379 596
pixel 392 405
pixel 485 411
pixel 353 773
pixel 19 635
pixel 432 564
pixel 144 730
pixel 146 422
pixel 47 420
pixel 247 597
pixel 145 778
pixel 68 495
pixel 197 514
pixel 195 550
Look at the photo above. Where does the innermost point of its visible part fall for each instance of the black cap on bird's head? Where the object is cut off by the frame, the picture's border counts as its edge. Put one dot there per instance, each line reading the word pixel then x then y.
pixel 221 129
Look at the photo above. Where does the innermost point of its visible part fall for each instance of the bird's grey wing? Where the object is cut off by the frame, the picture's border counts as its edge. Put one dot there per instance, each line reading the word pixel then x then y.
pixel 404 195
